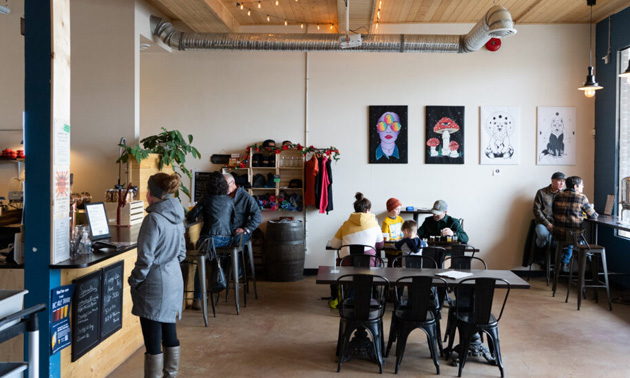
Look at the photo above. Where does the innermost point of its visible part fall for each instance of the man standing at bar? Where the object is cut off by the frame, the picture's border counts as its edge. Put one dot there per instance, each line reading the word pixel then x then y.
pixel 246 211
pixel 543 209
pixel 568 209
pixel 441 224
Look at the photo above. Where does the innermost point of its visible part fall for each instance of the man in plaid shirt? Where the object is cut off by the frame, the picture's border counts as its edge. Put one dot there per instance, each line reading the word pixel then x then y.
pixel 568 209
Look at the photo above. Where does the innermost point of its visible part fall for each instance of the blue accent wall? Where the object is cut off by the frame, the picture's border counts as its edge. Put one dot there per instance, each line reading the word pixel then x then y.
pixel 607 140
pixel 39 279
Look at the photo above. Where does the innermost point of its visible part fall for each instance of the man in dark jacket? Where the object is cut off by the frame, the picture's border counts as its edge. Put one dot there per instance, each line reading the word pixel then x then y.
pixel 441 224
pixel 246 211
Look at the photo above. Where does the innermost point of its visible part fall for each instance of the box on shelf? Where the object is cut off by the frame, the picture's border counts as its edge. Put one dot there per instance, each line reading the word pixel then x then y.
pixel 11 301
pixel 132 213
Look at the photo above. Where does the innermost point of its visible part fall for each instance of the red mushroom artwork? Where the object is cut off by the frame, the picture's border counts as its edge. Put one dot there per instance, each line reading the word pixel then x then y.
pixel 446 127
pixel 433 143
pixel 445 123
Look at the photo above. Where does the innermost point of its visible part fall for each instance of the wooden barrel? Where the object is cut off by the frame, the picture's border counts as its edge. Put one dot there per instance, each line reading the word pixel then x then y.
pixel 284 251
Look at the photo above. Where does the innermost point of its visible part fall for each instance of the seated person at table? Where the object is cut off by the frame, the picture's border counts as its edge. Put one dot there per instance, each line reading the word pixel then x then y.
pixel 411 244
pixel 441 224
pixel 217 208
pixel 360 228
pixel 543 212
pixel 392 226
pixel 568 207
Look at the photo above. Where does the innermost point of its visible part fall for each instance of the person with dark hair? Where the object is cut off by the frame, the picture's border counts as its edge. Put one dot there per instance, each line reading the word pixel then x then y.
pixel 543 212
pixel 360 228
pixel 217 210
pixel 568 209
pixel 156 281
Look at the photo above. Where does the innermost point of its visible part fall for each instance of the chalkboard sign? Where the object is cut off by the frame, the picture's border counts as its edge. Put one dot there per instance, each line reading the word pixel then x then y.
pixel 112 299
pixel 199 184
pixel 86 314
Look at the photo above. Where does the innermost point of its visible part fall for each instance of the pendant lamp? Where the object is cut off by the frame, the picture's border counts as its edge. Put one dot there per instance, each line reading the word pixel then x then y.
pixel 626 74
pixel 590 85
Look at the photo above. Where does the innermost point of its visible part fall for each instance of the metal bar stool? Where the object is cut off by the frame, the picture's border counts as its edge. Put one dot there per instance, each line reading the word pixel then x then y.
pixel 201 257
pixel 234 252
pixel 584 250
pixel 568 240
pixel 250 256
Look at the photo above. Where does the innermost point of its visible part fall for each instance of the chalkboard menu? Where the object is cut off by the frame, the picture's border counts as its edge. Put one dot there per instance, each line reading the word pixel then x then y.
pixel 111 311
pixel 86 313
pixel 199 184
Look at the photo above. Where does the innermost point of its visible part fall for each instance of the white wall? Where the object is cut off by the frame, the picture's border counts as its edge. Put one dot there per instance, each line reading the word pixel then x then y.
pixel 229 99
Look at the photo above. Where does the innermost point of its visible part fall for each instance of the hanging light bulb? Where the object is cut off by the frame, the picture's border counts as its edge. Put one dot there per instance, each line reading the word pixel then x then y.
pixel 317 26
pixel 259 5
pixel 242 6
pixel 249 12
pixel 268 19
pixel 302 26
pixel 590 85
pixel 331 26
pixel 277 2
pixel 376 25
pixel 626 74
pixel 285 22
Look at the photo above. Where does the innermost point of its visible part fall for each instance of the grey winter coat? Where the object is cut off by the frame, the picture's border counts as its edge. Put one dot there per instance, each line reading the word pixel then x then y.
pixel 157 286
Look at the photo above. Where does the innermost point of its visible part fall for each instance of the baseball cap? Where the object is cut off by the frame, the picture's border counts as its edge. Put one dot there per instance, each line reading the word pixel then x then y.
pixel 439 207
pixel 393 203
pixel 558 176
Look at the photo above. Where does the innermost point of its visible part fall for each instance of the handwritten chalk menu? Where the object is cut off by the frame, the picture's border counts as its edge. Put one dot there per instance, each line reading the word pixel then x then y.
pixel 111 309
pixel 199 184
pixel 86 314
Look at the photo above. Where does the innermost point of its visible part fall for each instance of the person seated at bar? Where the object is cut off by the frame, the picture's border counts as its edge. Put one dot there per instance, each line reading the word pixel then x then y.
pixel 360 228
pixel 411 244
pixel 568 209
pixel 217 209
pixel 543 209
pixel 441 224
pixel 247 215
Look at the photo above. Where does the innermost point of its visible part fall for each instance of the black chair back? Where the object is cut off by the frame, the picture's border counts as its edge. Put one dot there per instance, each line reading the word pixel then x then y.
pixel 465 262
pixel 458 250
pixel 362 261
pixel 363 296
pixel 436 253
pixel 420 295
pixel 482 298
pixel 414 262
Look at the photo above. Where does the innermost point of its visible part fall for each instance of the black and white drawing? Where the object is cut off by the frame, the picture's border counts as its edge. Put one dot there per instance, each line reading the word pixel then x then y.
pixel 556 136
pixel 500 135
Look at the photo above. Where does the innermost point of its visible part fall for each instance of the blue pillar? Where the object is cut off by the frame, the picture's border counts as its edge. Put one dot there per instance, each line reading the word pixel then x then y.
pixel 39 279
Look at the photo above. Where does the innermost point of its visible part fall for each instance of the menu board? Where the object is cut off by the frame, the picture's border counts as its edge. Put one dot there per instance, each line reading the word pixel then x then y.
pixel 111 314
pixel 199 184
pixel 86 313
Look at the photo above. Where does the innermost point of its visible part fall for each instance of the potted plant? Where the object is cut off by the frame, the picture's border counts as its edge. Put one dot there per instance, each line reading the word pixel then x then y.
pixel 172 148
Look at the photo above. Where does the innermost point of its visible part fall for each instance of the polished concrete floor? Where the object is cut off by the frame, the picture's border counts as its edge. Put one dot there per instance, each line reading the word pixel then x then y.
pixel 290 332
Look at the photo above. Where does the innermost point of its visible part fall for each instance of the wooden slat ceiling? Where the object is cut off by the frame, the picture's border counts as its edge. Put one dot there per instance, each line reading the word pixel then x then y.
pixel 224 16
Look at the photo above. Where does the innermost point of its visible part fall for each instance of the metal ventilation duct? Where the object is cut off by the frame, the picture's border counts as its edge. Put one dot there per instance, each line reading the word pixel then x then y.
pixel 497 23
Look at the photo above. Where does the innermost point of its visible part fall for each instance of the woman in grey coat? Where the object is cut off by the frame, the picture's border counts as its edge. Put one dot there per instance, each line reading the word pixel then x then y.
pixel 156 281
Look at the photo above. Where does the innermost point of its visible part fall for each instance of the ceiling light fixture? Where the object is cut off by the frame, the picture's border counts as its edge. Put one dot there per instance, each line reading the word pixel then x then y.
pixel 249 12
pixel 626 74
pixel 590 85
pixel 259 5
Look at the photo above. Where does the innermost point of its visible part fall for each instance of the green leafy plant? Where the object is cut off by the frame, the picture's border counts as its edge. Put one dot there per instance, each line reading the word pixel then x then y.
pixel 172 148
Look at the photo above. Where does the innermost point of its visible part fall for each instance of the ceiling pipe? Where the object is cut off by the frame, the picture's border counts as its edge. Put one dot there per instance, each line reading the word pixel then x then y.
pixel 497 23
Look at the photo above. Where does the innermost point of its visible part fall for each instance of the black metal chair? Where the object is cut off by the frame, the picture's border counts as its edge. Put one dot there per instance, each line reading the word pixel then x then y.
pixel 459 263
pixel 362 261
pixel 361 307
pixel 582 251
pixel 479 318
pixel 414 262
pixel 436 253
pixel 415 309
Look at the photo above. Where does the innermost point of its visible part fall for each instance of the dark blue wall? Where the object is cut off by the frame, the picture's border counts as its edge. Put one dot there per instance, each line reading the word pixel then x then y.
pixel 606 140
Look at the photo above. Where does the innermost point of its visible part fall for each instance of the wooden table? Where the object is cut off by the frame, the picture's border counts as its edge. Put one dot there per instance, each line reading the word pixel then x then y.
pixel 612 221
pixel 329 274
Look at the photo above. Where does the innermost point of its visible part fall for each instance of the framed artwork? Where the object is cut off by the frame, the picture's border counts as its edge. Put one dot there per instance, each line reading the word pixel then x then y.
pixel 388 134
pixel 499 136
pixel 556 136
pixel 444 137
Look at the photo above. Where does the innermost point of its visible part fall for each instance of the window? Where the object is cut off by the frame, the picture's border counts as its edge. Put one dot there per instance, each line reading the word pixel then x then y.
pixel 624 139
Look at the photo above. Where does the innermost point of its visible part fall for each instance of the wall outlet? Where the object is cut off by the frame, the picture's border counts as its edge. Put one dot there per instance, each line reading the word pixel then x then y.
pixel 496 172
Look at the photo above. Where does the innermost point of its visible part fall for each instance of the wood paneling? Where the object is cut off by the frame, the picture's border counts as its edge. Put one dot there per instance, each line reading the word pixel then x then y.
pixel 224 16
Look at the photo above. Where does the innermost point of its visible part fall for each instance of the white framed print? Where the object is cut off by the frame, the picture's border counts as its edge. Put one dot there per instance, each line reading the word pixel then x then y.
pixel 556 136
pixel 500 130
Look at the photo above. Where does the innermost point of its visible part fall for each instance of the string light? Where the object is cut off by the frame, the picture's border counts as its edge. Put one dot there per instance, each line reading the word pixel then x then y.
pixel 249 12
pixel 317 26
pixel 259 5
pixel 277 2
pixel 242 6
pixel 331 26
pixel 268 19
pixel 302 26
pixel 285 22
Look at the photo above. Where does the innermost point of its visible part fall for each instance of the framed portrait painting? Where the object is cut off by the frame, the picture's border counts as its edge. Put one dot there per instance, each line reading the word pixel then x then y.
pixel 388 134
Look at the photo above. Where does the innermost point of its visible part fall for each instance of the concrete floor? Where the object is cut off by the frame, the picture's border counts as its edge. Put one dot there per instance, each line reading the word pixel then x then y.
pixel 290 332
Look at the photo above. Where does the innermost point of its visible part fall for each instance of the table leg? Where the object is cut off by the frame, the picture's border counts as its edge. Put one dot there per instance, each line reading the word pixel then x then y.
pixel 234 254
pixel 204 293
